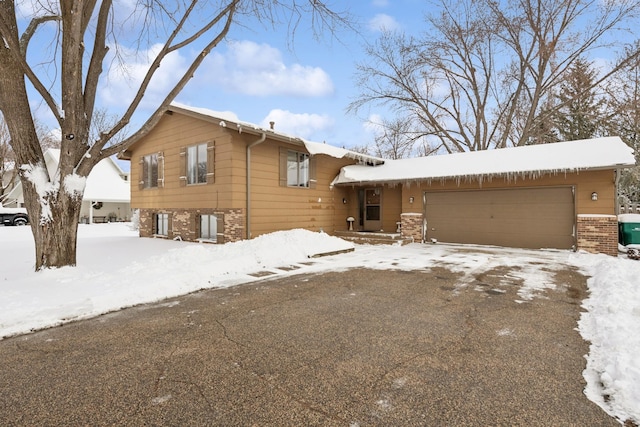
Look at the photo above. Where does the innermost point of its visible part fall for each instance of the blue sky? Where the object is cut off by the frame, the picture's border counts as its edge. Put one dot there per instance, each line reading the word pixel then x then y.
pixel 256 74
pixel 304 87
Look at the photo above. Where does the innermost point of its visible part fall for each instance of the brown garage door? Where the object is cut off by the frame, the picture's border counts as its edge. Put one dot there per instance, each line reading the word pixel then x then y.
pixel 520 218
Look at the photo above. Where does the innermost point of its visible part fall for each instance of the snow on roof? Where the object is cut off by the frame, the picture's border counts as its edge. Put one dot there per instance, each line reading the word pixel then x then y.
pixel 229 118
pixel 104 183
pixel 223 115
pixel 527 161
pixel 321 148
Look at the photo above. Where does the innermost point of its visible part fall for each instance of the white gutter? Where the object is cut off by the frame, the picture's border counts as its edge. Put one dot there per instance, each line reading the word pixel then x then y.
pixel 260 140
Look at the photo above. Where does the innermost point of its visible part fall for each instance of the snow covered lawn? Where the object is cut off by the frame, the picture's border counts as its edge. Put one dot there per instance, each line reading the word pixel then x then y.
pixel 116 269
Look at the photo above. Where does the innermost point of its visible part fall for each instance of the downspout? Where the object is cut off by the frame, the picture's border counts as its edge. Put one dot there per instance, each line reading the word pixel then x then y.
pixel 617 199
pixel 249 147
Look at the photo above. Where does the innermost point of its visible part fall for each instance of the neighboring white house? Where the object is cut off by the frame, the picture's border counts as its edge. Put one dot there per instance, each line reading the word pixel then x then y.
pixel 107 194
pixel 7 180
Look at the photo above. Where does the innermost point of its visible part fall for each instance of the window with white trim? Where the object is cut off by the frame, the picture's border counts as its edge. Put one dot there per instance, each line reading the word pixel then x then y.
pixel 209 227
pixel 197 164
pixel 297 169
pixel 150 171
pixel 162 224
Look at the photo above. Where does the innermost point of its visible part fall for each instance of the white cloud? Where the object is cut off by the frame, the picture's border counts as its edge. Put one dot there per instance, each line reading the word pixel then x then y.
pixel 373 125
pixel 383 22
pixel 31 8
pixel 258 69
pixel 380 3
pixel 124 79
pixel 302 125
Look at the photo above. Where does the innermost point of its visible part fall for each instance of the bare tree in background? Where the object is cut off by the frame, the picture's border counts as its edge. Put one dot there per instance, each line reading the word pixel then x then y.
pixel 481 73
pixel 398 139
pixel 624 107
pixel 85 30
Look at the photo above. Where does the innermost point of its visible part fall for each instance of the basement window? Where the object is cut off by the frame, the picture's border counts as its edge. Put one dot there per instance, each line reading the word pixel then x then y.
pixel 162 224
pixel 208 227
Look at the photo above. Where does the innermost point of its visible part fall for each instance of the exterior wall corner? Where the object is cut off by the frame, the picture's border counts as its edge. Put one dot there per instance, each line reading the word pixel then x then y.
pixel 598 234
pixel 411 226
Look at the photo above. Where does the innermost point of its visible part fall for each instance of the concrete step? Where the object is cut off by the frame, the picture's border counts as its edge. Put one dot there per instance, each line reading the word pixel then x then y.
pixel 373 238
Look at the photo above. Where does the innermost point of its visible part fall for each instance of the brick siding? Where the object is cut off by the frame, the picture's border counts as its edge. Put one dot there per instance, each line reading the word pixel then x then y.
pixel 411 226
pixel 183 223
pixel 598 234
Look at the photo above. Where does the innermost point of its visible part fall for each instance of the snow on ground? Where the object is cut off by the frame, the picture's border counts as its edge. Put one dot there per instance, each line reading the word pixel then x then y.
pixel 116 269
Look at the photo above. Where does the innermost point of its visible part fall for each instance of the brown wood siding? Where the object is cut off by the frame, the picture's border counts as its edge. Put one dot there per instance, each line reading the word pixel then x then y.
pixel 275 207
pixel 172 133
pixel 523 217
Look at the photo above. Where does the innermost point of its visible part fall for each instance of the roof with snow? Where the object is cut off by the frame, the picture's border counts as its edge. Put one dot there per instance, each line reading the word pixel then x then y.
pixel 105 183
pixel 230 120
pixel 528 161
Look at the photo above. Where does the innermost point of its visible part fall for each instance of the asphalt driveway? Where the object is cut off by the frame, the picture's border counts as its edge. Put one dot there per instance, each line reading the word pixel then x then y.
pixel 355 348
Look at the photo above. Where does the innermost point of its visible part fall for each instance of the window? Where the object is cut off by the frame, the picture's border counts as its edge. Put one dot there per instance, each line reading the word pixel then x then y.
pixel 209 227
pixel 197 164
pixel 152 171
pixel 162 224
pixel 297 169
pixel 149 171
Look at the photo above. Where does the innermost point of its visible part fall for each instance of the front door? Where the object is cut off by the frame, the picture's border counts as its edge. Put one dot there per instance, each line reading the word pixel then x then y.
pixel 372 209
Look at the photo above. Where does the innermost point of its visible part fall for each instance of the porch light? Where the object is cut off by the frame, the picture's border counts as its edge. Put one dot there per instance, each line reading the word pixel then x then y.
pixel 411 199
pixel 594 196
pixel 344 200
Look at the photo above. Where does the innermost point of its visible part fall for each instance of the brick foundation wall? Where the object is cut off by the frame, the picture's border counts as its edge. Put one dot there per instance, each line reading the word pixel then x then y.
pixel 411 226
pixel 145 223
pixel 183 224
pixel 598 234
pixel 234 225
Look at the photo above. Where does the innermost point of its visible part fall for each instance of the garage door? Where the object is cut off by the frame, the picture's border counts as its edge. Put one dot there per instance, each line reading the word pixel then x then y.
pixel 521 218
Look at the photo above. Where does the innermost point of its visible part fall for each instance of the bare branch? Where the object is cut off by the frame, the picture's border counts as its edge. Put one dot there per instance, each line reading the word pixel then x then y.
pixel 31 29
pixel 229 13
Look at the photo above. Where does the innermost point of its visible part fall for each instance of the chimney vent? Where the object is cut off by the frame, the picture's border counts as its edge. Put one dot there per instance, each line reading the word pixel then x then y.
pixel 272 124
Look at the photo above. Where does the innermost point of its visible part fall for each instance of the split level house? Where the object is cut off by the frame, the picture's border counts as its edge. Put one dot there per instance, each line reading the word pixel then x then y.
pixel 107 194
pixel 201 175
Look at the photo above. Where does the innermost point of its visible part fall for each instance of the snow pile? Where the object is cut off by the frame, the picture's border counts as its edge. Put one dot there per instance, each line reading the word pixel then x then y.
pixel 612 325
pixel 112 274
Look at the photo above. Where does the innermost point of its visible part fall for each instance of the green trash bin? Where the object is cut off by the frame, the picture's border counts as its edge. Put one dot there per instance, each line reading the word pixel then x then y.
pixel 629 229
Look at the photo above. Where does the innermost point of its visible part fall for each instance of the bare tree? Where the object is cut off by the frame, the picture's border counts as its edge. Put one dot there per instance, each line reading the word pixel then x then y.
pixel 85 30
pixel 398 139
pixel 481 73
pixel 623 103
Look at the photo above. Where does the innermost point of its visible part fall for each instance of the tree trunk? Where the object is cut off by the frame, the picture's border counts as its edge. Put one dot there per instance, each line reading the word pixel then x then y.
pixel 56 239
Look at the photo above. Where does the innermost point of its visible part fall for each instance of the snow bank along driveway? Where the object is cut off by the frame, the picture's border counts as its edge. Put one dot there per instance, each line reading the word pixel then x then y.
pixel 117 269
